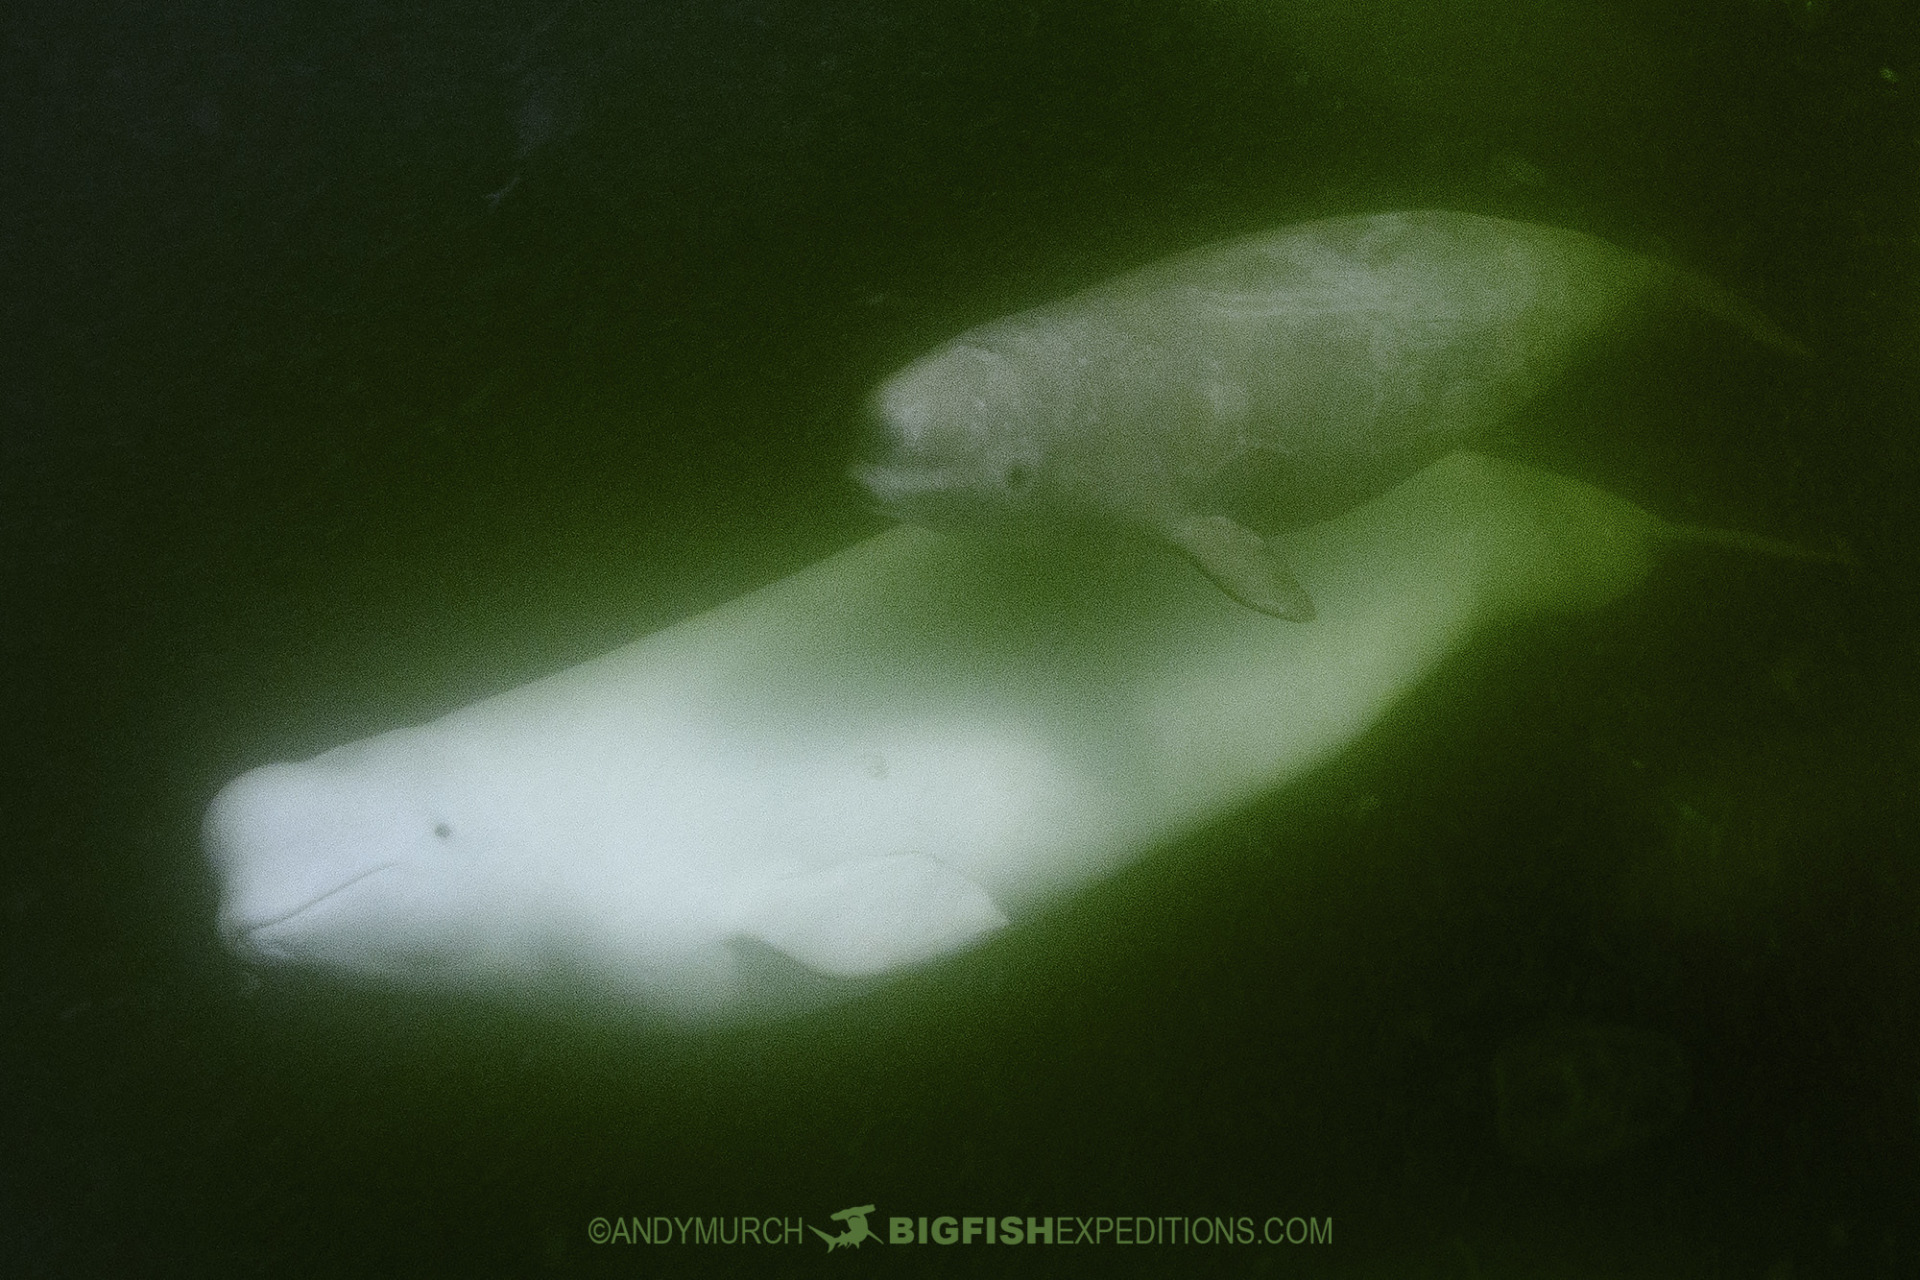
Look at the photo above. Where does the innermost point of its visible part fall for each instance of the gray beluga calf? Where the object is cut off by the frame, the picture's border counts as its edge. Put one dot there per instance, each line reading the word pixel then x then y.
pixel 1256 385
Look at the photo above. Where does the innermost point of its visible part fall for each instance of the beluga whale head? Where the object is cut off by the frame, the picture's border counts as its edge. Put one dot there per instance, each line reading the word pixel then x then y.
pixel 953 443
pixel 366 870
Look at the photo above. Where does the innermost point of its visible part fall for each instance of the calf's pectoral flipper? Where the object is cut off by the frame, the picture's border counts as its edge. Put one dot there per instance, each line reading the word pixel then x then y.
pixel 1241 563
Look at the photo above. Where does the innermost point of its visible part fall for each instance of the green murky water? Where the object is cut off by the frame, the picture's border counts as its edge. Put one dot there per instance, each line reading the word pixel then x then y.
pixel 366 362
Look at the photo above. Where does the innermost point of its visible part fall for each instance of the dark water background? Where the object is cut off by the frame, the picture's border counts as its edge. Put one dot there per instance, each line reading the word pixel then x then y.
pixel 360 360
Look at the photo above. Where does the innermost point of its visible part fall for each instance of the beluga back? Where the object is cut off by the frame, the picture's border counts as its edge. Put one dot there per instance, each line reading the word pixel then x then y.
pixel 1256 385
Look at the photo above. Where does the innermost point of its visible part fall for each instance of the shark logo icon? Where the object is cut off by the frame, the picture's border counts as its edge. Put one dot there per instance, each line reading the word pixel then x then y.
pixel 857 1229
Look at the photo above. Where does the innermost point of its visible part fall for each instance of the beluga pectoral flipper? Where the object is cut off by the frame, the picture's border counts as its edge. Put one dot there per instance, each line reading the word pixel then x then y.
pixel 1241 564
pixel 1256 385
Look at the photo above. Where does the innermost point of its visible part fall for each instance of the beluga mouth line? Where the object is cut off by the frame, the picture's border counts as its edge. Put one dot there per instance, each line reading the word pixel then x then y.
pixel 249 928
pixel 1210 399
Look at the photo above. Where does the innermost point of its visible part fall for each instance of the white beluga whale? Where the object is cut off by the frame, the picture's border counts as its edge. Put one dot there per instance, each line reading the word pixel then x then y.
pixel 1252 386
pixel 880 761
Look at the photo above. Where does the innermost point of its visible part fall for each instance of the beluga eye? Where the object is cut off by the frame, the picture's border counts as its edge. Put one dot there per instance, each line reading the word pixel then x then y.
pixel 1017 478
